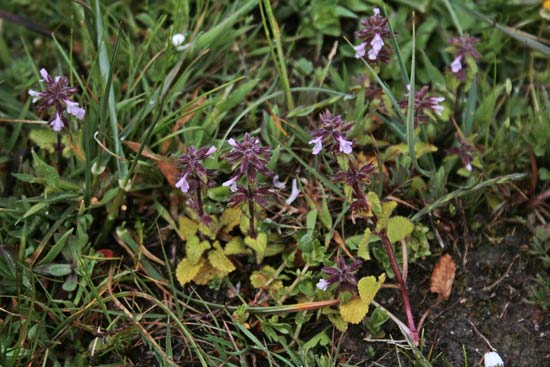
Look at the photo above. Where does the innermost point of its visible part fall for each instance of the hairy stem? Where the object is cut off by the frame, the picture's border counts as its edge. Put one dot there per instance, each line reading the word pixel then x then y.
pixel 402 285
pixel 251 231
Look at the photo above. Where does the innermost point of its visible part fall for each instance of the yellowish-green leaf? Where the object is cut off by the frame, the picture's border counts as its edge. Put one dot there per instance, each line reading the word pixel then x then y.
pixel 231 217
pixel 244 224
pixel 260 278
pixel 46 139
pixel 354 311
pixel 218 259
pixel 207 273
pixel 194 248
pixel 363 247
pixel 186 272
pixel 337 321
pixel 187 227
pixel 387 209
pixel 374 203
pixel 399 228
pixel 258 244
pixel 421 148
pixel 211 229
pixel 236 247
pixel 369 286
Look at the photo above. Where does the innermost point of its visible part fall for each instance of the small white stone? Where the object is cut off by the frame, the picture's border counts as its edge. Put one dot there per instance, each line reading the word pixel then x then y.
pixel 178 39
pixel 492 359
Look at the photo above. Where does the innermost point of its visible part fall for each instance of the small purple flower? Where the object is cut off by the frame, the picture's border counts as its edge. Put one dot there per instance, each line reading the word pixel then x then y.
pixel 277 183
pixel 57 123
pixel 357 179
pixel 243 195
pixel 375 30
pixel 317 145
pixel 322 284
pixel 248 157
pixel 464 48
pixel 193 173
pixel 331 135
pixel 294 193
pixel 456 65
pixel 343 273
pixel 57 95
pixel 194 177
pixel 423 103
pixel 345 145
pixel 464 151
pixel 360 50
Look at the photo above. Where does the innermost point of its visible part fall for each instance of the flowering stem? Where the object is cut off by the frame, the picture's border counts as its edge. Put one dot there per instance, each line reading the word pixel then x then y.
pixel 251 231
pixel 199 199
pixel 59 149
pixel 402 285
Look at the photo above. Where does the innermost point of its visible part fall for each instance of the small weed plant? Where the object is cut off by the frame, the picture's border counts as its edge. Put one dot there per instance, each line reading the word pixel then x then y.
pixel 190 187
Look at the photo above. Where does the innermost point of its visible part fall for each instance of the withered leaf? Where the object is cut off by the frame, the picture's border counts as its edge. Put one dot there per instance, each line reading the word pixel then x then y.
pixel 443 277
pixel 167 166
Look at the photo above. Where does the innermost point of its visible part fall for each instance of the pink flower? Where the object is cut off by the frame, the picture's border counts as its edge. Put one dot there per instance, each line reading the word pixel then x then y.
pixel 318 145
pixel 345 145
pixel 360 50
pixel 57 123
pixel 456 65
pixel 57 95
pixel 182 184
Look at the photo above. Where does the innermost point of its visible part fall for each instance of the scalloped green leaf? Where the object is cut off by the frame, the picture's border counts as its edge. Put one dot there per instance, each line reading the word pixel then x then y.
pixel 218 259
pixel 354 311
pixel 231 217
pixel 186 272
pixel 236 246
pixel 258 244
pixel 399 228
pixel 194 248
pixel 187 227
pixel 363 247
pixel 211 229
pixel 374 203
pixel 369 286
pixel 387 209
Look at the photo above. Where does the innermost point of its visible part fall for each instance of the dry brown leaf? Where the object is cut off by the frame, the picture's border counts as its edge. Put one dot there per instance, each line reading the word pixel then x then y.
pixel 443 277
pixel 166 165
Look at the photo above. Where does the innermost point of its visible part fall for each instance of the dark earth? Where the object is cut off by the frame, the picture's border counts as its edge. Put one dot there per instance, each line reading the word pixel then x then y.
pixel 487 310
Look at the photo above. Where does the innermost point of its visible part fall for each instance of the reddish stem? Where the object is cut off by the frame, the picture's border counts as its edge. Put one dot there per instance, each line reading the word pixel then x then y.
pixel 402 285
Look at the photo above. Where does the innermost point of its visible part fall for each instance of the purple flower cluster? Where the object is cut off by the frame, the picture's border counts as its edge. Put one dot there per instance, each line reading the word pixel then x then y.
pixel 357 178
pixel 193 173
pixel 331 133
pixel 247 158
pixel 343 273
pixel 57 94
pixel 375 30
pixel 194 177
pixel 422 104
pixel 464 151
pixel 464 48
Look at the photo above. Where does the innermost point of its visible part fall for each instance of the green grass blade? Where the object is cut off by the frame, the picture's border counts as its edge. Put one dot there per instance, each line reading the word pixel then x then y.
pixel 466 190
pixel 452 13
pixel 276 32
pixel 411 139
pixel 522 37
pixel 107 70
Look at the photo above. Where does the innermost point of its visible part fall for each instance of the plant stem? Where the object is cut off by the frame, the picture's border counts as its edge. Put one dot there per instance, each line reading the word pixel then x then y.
pixel 251 231
pixel 59 149
pixel 402 285
pixel 199 199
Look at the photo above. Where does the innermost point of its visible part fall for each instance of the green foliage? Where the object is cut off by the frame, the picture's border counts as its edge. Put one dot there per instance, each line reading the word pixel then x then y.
pixel 399 228
pixel 93 233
